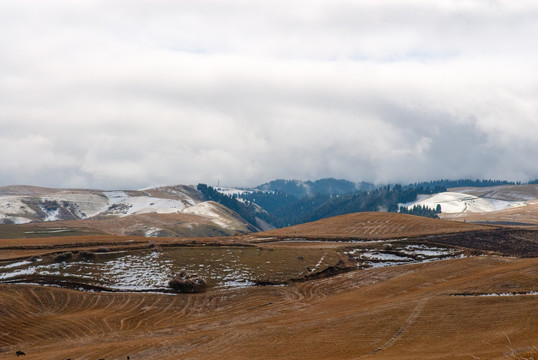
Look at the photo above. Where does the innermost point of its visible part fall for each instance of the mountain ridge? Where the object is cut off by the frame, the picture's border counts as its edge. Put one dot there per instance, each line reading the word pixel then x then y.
pixel 178 210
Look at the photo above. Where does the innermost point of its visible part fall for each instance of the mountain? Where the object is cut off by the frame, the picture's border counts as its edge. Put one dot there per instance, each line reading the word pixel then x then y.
pixel 290 202
pixel 160 211
pixel 283 209
pixel 328 186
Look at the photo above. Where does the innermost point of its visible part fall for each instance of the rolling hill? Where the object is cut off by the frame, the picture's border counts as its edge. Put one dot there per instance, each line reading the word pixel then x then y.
pixel 502 205
pixel 372 226
pixel 460 307
pixel 161 211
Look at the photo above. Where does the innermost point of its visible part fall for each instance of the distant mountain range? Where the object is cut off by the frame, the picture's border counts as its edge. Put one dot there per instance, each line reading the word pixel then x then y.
pixel 283 203
pixel 188 211
pixel 329 186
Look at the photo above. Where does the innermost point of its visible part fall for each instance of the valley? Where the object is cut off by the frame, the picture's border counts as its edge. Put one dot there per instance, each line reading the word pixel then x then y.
pixel 361 285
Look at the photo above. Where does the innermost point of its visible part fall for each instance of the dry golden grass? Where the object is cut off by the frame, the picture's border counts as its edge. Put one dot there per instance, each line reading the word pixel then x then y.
pixel 11 249
pixel 372 225
pixel 185 225
pixel 404 312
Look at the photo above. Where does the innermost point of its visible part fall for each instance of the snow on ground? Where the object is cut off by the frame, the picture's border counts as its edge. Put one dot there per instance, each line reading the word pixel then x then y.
pixel 424 250
pixel 173 191
pixel 52 215
pixel 453 202
pixel 123 204
pixel 208 210
pixel 383 256
pixel 14 210
pixel 232 191
pixel 151 231
pixel 501 294
pixel 18 220
pixel 503 204
pixel 88 204
pixel 503 192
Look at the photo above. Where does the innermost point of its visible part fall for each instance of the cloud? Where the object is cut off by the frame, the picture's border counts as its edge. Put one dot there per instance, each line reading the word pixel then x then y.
pixel 122 94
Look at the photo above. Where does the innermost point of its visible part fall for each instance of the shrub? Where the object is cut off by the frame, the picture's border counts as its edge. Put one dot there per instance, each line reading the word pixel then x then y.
pixel 185 284
pixel 63 257
pixel 86 255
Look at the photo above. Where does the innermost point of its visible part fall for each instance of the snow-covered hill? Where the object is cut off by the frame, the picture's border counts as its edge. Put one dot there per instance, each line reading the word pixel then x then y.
pixel 476 200
pixel 166 210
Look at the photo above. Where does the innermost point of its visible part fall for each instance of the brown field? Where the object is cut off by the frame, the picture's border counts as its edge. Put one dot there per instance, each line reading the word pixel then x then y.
pixel 404 312
pixel 181 225
pixel 372 225
pixel 432 310
pixel 12 249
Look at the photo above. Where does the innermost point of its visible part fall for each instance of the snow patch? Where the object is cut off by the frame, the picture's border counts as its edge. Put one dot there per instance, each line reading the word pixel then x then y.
pixel 380 256
pixel 15 264
pixel 208 210
pixel 427 251
pixel 28 271
pixel 453 202
pixel 500 294
pixel 13 210
pixel 151 232
pixel 121 204
pixel 232 191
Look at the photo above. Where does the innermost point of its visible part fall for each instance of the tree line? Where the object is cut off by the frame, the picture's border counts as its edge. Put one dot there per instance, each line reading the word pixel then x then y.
pixel 289 202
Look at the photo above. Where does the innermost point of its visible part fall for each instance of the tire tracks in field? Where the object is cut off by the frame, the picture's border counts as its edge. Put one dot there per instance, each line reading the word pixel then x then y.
pixel 410 320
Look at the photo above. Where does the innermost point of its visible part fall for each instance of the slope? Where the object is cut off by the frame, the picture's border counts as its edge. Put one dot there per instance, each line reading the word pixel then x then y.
pixel 162 211
pixel 372 225
pixel 406 312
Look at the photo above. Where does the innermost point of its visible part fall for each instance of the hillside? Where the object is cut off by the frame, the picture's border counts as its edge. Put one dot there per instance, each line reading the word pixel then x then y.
pixel 445 309
pixel 328 186
pixel 161 211
pixel 503 205
pixel 372 226
pixel 421 292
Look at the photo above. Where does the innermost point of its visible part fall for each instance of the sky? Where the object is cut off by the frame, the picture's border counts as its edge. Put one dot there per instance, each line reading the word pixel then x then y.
pixel 130 94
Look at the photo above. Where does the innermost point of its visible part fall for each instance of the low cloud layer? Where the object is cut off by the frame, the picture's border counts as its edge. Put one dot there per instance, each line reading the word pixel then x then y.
pixel 117 94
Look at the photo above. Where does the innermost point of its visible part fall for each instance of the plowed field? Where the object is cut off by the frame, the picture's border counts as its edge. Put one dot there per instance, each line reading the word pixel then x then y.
pixel 441 293
pixel 372 225
pixel 404 312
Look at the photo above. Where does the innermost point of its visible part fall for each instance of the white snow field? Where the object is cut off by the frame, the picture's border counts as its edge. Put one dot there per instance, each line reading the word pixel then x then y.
pixel 25 205
pixel 209 210
pixel 455 202
pixel 130 205
pixel 232 191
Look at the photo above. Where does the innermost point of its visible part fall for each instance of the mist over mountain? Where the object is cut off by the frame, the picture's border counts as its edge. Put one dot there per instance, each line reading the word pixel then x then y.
pixel 288 202
pixel 328 186
pixel 213 211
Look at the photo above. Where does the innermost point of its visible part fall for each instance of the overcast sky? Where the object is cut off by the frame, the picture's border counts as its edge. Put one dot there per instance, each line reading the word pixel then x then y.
pixel 129 94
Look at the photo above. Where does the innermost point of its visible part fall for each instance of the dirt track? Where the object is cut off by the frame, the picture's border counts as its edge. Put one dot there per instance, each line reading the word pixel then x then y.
pixel 403 312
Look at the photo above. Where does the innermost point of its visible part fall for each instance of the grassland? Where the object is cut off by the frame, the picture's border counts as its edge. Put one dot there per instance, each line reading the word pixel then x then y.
pixel 450 309
pixel 372 226
pixel 405 312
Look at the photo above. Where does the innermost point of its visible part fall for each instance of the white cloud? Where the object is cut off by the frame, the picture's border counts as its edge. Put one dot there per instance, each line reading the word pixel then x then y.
pixel 117 94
